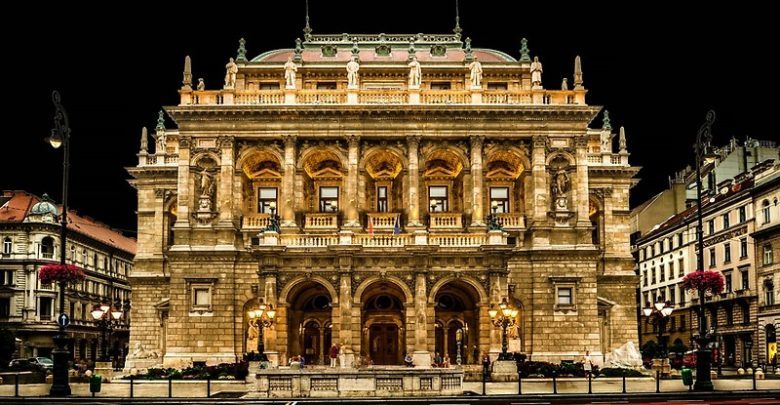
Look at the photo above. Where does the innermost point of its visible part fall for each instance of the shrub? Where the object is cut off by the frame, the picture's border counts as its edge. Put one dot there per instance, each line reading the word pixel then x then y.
pixel 618 372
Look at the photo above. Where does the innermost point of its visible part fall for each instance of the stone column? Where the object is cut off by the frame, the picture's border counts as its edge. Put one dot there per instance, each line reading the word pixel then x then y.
pixel 496 295
pixel 421 355
pixel 477 217
pixel 269 297
pixel 183 185
pixel 345 310
pixel 413 143
pixel 582 202
pixel 224 200
pixel 353 141
pixel 541 193
pixel 287 200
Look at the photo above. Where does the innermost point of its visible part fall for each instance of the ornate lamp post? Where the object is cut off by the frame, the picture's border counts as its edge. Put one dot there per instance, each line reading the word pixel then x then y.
pixel 659 313
pixel 262 318
pixel 60 136
pixel 273 222
pixel 503 319
pixel 460 335
pixel 703 381
pixel 106 319
pixel 493 222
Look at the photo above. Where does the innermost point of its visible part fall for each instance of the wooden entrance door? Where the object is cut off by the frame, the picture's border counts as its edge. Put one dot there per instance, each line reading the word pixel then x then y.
pixel 383 344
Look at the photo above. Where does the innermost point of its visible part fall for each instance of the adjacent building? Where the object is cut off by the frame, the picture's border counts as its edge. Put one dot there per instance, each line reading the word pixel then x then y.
pixel 30 237
pixel 382 192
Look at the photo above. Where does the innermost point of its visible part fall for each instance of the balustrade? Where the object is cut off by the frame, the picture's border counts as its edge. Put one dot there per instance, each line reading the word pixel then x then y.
pixel 383 220
pixel 511 220
pixel 321 221
pixel 446 220
pixel 257 221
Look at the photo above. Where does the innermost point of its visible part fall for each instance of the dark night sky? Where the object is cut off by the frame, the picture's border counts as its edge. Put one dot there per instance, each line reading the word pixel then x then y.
pixel 657 67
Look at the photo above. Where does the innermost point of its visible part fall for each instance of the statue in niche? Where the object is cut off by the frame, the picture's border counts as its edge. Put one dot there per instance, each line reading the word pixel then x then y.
pixel 475 76
pixel 560 186
pixel 206 182
pixel 231 69
pixel 561 181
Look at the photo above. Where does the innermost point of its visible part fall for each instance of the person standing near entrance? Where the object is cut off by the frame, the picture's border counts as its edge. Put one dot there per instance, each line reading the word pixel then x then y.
pixel 475 353
pixel 334 354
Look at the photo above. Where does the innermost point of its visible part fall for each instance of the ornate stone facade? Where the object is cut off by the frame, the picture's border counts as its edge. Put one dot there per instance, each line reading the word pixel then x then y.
pixel 381 216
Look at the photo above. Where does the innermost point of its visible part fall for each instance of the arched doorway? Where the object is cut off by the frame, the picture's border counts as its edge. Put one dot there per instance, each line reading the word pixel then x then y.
pixel 456 309
pixel 382 317
pixel 309 322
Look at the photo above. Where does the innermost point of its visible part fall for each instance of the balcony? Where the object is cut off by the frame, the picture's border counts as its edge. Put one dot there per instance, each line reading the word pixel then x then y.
pixel 446 221
pixel 511 221
pixel 383 221
pixel 257 221
pixel 321 221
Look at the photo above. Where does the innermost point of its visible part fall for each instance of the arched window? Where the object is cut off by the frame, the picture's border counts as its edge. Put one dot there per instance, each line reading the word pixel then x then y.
pixel 7 245
pixel 768 255
pixel 47 248
pixel 765 209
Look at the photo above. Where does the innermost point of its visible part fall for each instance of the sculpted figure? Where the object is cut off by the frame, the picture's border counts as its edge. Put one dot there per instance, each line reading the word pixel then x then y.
pixel 476 73
pixel 352 73
pixel 415 73
pixel 536 72
pixel 231 69
pixel 289 73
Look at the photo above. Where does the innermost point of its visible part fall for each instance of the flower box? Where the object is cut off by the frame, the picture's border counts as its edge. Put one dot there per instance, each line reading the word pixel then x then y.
pixel 57 273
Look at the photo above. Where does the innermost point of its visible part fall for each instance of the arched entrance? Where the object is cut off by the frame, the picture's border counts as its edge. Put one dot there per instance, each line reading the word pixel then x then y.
pixel 382 318
pixel 456 309
pixel 309 322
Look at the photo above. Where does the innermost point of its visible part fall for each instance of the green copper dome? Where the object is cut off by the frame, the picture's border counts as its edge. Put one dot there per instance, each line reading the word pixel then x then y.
pixel 44 207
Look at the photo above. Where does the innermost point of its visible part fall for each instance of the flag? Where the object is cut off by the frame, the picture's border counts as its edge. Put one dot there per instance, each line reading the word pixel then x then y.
pixel 397 225
pixel 371 226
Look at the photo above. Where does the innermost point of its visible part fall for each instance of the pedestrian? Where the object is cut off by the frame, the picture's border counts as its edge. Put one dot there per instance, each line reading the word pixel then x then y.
pixel 587 363
pixel 334 354
pixel 475 353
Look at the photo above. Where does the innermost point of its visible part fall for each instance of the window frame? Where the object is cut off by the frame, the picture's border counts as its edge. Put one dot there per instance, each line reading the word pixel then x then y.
pixel 328 201
pixel 444 201
pixel 264 203
pixel 503 203
pixel 382 202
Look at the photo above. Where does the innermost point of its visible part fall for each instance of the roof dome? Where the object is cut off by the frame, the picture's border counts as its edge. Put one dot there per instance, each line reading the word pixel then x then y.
pixel 44 207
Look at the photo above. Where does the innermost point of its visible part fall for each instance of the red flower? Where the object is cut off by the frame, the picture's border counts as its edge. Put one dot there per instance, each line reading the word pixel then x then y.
pixel 54 273
pixel 711 281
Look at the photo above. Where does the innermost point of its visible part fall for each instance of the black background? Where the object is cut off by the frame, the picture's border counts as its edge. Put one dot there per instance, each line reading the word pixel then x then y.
pixel 657 67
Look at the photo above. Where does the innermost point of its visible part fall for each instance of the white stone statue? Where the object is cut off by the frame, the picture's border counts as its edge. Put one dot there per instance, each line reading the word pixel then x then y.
pixel 536 72
pixel 206 182
pixel 565 84
pixel 561 181
pixel 476 74
pixel 626 356
pixel 201 84
pixel 230 75
pixel 289 73
pixel 139 352
pixel 415 74
pixel 160 143
pixel 352 73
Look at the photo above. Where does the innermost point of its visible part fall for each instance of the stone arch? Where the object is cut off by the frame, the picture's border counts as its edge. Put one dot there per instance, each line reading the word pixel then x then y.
pixel 568 157
pixel 483 296
pixel 447 159
pixel 255 162
pixel 310 304
pixel 291 286
pixel 316 154
pixel 361 289
pixel 268 151
pixel 517 162
pixel 199 157
pixel 370 156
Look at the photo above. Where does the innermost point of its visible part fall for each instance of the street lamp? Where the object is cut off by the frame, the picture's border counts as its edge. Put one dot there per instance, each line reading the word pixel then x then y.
pixel 262 318
pixel 493 223
pixel 60 136
pixel 460 335
pixel 703 139
pixel 106 319
pixel 273 222
pixel 658 314
pixel 503 319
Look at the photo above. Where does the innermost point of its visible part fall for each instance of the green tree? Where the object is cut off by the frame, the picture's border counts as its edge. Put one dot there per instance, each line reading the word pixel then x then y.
pixel 7 346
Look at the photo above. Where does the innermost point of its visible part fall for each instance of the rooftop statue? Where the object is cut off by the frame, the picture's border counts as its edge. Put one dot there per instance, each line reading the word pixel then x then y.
pixel 415 74
pixel 536 72
pixel 230 74
pixel 476 74
pixel 289 73
pixel 352 73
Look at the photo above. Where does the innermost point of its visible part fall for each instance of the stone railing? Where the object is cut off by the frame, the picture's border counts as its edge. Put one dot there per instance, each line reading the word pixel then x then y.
pixel 257 221
pixel 446 220
pixel 511 220
pixel 383 240
pixel 381 96
pixel 308 240
pixel 458 240
pixel 169 160
pixel 608 159
pixel 383 220
pixel 321 221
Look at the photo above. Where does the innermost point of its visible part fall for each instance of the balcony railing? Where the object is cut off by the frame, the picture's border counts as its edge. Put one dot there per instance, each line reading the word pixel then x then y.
pixel 511 220
pixel 257 221
pixel 383 240
pixel 457 240
pixel 309 240
pixel 381 96
pixel 383 220
pixel 321 221
pixel 446 220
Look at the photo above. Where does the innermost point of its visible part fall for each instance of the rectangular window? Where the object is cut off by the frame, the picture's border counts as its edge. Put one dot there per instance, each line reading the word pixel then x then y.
pixel 729 286
pixel 671 294
pixel 44 308
pixel 746 314
pixel 679 239
pixel 770 295
pixel 680 267
pixel 438 199
pixel 83 311
pixel 682 322
pixel 5 307
pixel 268 86
pixel 266 199
pixel 743 248
pixel 682 297
pixel 673 324
pixel 726 252
pixel 711 226
pixel 497 86
pixel 381 199
pixel 499 199
pixel 644 277
pixel 662 269
pixel 768 255
pixel 565 296
pixel 201 297
pixel 729 315
pixel 726 221
pixel 326 85
pixel 766 213
pixel 742 214
pixel 745 279
pixel 712 257
pixel 7 245
pixel 329 199
pixel 441 85
pixel 6 277
pixel 653 281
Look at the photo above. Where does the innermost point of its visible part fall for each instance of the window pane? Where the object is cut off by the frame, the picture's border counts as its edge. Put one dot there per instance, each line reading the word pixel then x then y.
pixel 382 192
pixel 499 192
pixel 564 296
pixel 267 192
pixel 329 192
pixel 202 297
pixel 438 191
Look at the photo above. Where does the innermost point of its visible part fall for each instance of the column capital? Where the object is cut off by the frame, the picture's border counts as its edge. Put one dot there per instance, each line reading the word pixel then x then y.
pixel 289 140
pixel 185 142
pixel 413 140
pixel 477 141
pixel 225 142
pixel 539 141
pixel 581 141
pixel 353 141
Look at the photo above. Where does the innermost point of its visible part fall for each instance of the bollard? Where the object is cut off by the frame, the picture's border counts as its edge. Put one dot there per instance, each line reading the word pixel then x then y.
pixel 590 386
pixel 657 381
pixel 555 384
pixel 754 378
pixel 208 387
pixel 132 377
pixel 484 381
pixel 519 383
pixel 624 381
pixel 170 386
pixel 16 384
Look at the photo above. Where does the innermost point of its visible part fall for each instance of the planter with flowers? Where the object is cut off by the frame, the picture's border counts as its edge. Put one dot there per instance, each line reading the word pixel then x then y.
pixel 56 273
pixel 709 281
